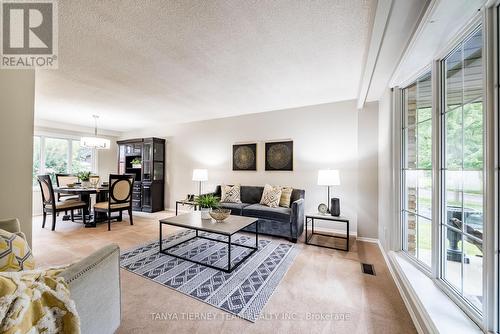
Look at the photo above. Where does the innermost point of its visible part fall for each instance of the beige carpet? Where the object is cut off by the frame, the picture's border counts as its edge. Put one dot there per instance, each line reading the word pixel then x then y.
pixel 323 292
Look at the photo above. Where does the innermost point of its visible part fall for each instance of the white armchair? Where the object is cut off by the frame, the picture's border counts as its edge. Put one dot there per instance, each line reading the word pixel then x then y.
pixel 94 283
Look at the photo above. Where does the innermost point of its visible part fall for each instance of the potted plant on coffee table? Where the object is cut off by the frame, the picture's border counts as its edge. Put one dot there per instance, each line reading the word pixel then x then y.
pixel 207 203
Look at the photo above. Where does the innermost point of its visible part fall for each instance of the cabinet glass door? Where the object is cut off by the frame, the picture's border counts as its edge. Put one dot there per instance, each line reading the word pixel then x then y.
pixel 122 153
pixel 146 195
pixel 148 151
pixel 158 171
pixel 147 161
pixel 158 152
pixel 121 168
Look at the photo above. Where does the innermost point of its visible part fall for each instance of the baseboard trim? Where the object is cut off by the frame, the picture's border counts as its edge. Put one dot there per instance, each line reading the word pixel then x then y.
pixel 372 240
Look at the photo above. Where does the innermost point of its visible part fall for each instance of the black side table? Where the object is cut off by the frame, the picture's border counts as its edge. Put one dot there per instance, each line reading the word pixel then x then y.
pixel 185 202
pixel 318 216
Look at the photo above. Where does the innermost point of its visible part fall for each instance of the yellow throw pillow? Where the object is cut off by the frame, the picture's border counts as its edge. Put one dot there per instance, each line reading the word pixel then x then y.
pixel 286 196
pixel 15 254
pixel 271 196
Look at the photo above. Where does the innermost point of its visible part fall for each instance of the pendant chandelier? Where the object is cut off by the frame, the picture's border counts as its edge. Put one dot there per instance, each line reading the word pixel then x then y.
pixel 95 142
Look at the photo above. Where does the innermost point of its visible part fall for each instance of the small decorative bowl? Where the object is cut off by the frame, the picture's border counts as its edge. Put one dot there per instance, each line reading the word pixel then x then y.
pixel 220 214
pixel 70 185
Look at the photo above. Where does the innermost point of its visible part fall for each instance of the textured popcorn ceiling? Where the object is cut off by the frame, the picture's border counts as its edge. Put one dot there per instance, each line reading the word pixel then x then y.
pixel 144 63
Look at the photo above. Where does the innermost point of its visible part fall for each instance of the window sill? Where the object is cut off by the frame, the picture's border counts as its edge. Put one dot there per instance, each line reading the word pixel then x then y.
pixel 430 308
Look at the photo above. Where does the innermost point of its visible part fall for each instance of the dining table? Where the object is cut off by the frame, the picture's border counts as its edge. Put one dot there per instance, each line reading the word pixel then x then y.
pixel 84 193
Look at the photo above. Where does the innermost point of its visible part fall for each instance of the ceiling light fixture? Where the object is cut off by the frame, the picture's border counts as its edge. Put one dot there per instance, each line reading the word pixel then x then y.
pixel 95 142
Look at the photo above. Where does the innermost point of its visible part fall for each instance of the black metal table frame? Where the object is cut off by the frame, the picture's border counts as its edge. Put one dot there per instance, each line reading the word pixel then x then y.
pixel 85 197
pixel 329 218
pixel 184 203
pixel 230 267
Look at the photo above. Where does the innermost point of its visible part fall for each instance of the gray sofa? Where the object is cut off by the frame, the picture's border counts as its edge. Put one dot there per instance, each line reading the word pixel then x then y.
pixel 281 222
pixel 94 284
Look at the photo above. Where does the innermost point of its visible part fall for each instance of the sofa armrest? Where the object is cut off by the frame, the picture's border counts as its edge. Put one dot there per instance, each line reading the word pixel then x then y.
pixel 10 225
pixel 297 218
pixel 94 284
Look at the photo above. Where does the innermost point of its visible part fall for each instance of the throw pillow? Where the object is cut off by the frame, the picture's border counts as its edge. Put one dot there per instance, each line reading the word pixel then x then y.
pixel 15 254
pixel 271 196
pixel 286 196
pixel 231 194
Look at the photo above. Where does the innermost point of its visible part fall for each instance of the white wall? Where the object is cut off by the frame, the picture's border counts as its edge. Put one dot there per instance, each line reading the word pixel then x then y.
pixel 17 96
pixel 368 171
pixel 325 136
pixel 385 171
pixel 107 161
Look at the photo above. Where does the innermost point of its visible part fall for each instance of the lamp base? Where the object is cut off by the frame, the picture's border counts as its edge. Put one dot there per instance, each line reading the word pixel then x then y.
pixel 335 207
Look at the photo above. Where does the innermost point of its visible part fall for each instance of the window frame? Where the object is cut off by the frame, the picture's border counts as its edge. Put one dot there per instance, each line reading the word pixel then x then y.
pixel 472 311
pixel 427 70
pixel 489 317
pixel 493 66
pixel 69 138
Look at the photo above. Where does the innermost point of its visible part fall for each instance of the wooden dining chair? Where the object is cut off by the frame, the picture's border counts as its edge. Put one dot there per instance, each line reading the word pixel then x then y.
pixel 62 180
pixel 50 205
pixel 120 197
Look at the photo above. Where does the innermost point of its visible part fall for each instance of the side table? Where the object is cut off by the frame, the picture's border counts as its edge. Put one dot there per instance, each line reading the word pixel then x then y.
pixel 185 202
pixel 310 218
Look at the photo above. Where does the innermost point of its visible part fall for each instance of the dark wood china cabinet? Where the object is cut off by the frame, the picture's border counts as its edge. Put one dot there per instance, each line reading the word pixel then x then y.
pixel 149 186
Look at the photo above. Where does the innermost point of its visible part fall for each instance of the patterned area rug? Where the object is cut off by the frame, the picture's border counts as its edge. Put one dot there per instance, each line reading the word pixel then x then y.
pixel 244 292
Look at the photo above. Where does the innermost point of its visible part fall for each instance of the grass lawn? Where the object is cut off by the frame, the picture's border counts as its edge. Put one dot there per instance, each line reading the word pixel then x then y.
pixel 424 242
pixel 426 202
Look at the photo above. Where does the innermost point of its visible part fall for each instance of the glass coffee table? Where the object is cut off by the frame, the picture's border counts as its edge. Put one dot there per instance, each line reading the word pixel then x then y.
pixel 228 228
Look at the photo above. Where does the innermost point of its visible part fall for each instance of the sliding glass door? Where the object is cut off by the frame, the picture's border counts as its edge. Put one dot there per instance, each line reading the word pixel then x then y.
pixel 462 207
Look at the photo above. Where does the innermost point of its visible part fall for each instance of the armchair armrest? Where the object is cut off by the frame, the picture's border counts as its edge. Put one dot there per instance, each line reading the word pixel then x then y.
pixel 297 218
pixel 10 225
pixel 94 283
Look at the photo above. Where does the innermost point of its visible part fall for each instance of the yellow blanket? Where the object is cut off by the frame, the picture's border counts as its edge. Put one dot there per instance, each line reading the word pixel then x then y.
pixel 36 301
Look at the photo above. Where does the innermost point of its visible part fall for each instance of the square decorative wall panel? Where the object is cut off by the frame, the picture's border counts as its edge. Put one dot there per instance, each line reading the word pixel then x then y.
pixel 245 157
pixel 279 156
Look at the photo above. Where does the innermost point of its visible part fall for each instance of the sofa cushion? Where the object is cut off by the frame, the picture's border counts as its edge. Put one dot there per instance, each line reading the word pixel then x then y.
pixel 234 207
pixel 262 211
pixel 251 194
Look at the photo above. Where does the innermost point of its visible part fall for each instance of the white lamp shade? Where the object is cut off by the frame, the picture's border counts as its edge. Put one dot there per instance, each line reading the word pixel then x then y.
pixel 95 142
pixel 200 175
pixel 328 177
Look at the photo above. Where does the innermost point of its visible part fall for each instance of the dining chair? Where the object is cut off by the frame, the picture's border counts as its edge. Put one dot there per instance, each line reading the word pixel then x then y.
pixel 50 205
pixel 120 197
pixel 62 180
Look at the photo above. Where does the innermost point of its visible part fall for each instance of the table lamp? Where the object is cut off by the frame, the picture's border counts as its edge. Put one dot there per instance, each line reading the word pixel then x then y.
pixel 200 175
pixel 328 177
